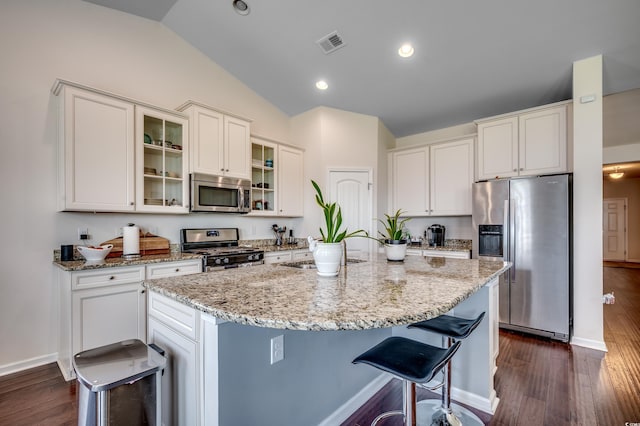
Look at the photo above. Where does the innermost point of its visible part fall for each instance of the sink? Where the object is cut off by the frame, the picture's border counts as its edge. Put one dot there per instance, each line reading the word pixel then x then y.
pixel 310 264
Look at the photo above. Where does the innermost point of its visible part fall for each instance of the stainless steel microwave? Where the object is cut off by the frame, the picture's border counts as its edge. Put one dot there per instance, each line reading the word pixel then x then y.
pixel 211 193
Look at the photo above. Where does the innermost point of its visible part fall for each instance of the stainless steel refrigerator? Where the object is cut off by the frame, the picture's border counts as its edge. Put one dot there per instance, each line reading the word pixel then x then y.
pixel 527 221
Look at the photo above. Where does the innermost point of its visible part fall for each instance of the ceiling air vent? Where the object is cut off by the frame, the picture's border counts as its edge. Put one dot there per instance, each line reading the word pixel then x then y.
pixel 330 43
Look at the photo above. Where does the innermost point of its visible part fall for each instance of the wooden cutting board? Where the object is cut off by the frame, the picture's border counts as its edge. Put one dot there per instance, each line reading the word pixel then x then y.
pixel 149 244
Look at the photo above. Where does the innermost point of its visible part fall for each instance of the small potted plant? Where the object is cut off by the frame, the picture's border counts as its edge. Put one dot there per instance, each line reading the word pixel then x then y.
pixel 328 252
pixel 395 243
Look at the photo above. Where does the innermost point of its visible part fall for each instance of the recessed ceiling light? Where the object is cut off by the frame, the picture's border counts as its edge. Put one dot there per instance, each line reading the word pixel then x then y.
pixel 241 7
pixel 322 85
pixel 406 50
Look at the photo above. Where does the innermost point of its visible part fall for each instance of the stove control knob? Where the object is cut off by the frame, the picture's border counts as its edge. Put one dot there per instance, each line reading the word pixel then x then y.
pixel 225 260
pixel 250 257
pixel 218 261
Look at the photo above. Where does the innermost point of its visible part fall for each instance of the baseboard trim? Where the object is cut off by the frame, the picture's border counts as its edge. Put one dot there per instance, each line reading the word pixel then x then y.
pixel 26 364
pixel 598 345
pixel 487 405
pixel 357 401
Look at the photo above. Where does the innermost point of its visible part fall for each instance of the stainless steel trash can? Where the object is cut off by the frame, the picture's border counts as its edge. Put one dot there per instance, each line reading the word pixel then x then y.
pixel 119 384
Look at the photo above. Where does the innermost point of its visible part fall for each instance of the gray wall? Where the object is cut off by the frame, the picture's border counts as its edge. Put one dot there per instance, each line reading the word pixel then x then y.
pixel 315 378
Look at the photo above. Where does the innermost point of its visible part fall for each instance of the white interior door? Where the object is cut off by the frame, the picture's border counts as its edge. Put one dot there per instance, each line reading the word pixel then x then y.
pixel 351 190
pixel 614 227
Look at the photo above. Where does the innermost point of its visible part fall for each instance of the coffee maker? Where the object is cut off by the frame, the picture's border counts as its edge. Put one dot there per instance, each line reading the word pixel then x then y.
pixel 435 235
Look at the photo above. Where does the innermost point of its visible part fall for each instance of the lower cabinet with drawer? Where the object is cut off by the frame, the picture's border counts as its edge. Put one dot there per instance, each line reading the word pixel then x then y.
pixel 277 256
pixel 190 380
pixel 103 306
pixel 99 307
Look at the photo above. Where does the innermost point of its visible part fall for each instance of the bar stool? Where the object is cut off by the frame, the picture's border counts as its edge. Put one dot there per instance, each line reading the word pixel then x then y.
pixel 453 329
pixel 412 362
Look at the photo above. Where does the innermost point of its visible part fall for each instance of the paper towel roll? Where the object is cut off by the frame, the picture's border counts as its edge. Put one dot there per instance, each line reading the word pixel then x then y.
pixel 130 240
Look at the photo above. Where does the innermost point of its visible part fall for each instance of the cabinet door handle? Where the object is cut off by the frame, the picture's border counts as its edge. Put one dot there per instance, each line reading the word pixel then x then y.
pixel 521 168
pixel 177 269
pixel 131 203
pixel 227 170
pixel 112 277
pixel 222 170
pixel 142 292
pixel 515 170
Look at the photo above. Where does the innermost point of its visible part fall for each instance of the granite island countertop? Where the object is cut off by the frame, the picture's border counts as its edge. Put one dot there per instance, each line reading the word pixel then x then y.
pixel 372 294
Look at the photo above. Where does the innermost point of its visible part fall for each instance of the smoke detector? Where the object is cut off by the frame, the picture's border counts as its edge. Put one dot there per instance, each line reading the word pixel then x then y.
pixel 330 43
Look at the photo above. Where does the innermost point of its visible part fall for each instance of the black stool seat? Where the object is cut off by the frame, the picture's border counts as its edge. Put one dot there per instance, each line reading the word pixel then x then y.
pixel 446 325
pixel 408 359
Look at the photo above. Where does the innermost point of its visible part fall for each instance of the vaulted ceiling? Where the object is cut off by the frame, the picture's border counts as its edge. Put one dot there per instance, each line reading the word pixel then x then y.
pixel 473 59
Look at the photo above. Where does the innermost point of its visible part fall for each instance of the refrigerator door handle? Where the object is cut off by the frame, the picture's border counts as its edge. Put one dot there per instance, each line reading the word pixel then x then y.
pixel 512 239
pixel 505 231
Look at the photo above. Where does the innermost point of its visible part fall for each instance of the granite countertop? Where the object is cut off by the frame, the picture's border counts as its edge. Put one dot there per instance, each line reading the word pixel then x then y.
pixel 113 262
pixel 372 294
pixel 301 244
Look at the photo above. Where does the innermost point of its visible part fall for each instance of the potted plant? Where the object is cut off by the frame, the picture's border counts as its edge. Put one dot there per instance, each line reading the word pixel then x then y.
pixel 395 244
pixel 328 252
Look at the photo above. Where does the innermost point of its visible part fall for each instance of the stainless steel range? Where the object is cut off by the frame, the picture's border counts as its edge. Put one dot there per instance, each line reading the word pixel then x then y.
pixel 219 248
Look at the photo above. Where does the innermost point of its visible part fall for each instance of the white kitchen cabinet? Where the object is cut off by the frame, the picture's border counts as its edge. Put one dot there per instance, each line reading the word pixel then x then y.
pixel 462 254
pixel 451 178
pixel 119 155
pixel 432 180
pixel 284 176
pixel 277 256
pixel 449 254
pixel 162 172
pixel 264 177
pixel 298 255
pixel 95 151
pixel 107 305
pixel 173 269
pixel 99 307
pixel 290 181
pixel 190 380
pixel 219 142
pixel 180 390
pixel 409 171
pixel 531 142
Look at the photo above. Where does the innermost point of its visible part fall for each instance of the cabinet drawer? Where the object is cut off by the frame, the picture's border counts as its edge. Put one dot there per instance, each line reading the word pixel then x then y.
pixel 173 269
pixel 179 317
pixel 277 257
pixel 105 277
pixel 447 254
pixel 302 255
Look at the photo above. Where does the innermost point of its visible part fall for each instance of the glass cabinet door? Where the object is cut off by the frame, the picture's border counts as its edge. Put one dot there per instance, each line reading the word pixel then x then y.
pixel 163 177
pixel 263 177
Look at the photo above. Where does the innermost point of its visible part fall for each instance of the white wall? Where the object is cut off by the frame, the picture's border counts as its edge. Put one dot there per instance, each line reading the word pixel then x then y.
pixel 333 139
pixel 587 205
pixel 621 153
pixel 438 135
pixel 43 40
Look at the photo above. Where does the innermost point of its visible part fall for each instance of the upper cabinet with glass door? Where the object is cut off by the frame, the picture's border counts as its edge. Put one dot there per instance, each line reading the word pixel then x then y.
pixel 162 180
pixel 263 176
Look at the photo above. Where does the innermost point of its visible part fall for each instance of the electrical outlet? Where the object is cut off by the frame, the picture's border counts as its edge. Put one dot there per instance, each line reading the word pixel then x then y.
pixel 277 349
pixel 118 232
pixel 83 234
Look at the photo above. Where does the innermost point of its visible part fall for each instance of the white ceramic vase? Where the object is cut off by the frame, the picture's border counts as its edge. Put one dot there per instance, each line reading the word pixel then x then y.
pixel 327 257
pixel 395 250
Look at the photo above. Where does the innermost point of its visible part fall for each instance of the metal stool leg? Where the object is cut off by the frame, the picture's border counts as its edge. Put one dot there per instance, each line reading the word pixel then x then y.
pixel 408 406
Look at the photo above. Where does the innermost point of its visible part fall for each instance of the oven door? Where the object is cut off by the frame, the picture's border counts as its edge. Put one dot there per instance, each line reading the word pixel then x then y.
pixel 219 194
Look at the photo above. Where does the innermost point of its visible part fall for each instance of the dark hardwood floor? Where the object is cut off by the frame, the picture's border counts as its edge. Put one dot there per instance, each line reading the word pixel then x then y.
pixel 539 382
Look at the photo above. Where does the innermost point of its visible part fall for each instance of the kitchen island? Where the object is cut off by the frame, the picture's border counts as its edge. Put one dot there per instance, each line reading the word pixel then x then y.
pixel 218 328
